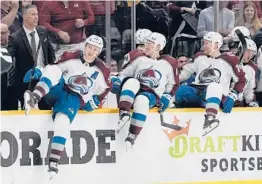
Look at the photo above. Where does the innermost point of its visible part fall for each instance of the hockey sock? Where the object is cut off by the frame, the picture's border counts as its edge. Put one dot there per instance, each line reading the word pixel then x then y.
pixel 128 93
pixel 141 108
pixel 61 131
pixel 42 87
pixel 50 77
pixel 213 98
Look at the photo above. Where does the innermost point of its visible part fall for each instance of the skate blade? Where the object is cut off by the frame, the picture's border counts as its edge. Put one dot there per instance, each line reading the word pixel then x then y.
pixel 52 175
pixel 128 146
pixel 210 128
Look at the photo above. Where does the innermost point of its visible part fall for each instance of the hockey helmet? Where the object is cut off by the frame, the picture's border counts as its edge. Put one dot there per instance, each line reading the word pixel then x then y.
pixel 251 45
pixel 157 38
pixel 141 35
pixel 214 37
pixel 244 30
pixel 96 41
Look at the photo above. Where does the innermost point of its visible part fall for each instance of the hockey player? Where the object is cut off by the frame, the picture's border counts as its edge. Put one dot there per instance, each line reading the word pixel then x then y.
pixel 214 72
pixel 150 81
pixel 140 37
pixel 233 40
pixel 250 68
pixel 75 82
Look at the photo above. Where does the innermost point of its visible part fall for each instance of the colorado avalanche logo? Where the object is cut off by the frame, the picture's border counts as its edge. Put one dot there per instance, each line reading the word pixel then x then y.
pixel 80 83
pixel 149 77
pixel 209 75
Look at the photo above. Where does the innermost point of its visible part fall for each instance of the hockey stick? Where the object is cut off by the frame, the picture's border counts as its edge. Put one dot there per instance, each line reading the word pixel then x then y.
pixel 163 123
pixel 243 42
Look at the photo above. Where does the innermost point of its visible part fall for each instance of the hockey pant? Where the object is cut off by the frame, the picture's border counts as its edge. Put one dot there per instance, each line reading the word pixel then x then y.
pixel 142 101
pixel 200 96
pixel 65 107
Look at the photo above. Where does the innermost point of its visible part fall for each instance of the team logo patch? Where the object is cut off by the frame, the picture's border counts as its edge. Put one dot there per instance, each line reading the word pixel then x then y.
pixel 209 75
pixel 80 83
pixel 149 77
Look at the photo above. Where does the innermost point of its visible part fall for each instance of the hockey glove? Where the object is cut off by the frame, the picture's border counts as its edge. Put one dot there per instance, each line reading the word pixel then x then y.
pixel 165 101
pixel 229 102
pixel 253 104
pixel 116 84
pixel 36 76
pixel 92 104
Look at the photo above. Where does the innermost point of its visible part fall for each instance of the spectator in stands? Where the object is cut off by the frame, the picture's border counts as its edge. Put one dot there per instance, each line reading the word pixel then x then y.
pixel 251 20
pixel 226 20
pixel 258 38
pixel 99 10
pixel 67 21
pixel 6 64
pixel 182 59
pixel 30 46
pixel 235 6
pixel 10 15
pixel 38 4
pixel 113 66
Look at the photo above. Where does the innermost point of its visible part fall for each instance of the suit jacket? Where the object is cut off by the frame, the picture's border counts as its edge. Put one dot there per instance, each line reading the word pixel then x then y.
pixel 20 49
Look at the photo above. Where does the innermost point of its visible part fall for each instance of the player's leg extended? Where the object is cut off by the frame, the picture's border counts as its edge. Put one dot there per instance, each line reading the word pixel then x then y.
pixel 64 112
pixel 50 77
pixel 143 102
pixel 213 99
pixel 187 96
pixel 127 97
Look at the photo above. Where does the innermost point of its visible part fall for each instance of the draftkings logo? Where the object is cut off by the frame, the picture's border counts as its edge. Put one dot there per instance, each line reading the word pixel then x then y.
pixel 214 148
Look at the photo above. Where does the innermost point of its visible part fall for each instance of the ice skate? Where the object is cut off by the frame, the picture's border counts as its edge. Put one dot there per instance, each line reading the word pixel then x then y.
pixel 210 124
pixel 130 141
pixel 30 101
pixel 124 118
pixel 52 169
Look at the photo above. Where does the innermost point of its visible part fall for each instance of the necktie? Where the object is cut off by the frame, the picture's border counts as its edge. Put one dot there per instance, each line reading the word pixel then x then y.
pixel 33 44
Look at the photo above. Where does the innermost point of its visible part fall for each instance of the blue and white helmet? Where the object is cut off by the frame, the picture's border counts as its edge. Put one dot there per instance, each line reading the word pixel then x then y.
pixel 214 37
pixel 96 41
pixel 158 39
pixel 244 30
pixel 141 35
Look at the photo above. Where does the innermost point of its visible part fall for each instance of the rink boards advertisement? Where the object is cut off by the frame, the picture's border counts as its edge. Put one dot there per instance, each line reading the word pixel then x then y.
pixel 96 154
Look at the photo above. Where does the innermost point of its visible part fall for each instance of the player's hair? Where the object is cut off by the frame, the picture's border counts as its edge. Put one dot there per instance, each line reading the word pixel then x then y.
pixel 27 7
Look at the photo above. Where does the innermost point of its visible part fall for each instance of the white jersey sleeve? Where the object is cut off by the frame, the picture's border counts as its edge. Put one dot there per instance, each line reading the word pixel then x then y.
pixel 130 70
pixel 188 70
pixel 250 86
pixel 170 81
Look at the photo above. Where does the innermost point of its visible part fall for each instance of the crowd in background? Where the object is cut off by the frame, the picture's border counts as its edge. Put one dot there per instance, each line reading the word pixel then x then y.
pixel 64 25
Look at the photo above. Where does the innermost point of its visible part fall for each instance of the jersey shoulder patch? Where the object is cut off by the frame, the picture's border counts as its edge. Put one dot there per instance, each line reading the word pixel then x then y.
pixel 231 59
pixel 198 54
pixel 68 55
pixel 172 61
pixel 135 54
pixel 104 68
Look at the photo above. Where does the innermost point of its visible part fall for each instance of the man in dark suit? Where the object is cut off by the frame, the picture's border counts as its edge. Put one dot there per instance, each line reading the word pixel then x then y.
pixel 29 46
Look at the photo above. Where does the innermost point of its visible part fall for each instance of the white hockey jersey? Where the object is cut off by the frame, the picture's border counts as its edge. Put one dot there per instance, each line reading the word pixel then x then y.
pixel 220 70
pixel 156 75
pixel 130 56
pixel 250 75
pixel 85 79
